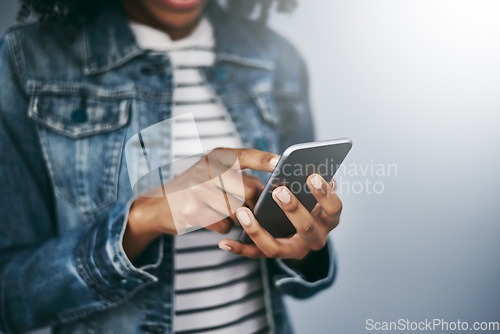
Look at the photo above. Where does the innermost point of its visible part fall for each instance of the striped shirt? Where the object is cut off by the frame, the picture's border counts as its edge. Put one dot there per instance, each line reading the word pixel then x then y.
pixel 215 291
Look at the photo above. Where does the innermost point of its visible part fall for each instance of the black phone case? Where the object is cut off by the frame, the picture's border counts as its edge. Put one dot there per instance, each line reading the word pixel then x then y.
pixel 297 163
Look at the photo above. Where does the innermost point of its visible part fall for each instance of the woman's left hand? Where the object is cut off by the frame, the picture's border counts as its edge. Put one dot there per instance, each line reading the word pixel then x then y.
pixel 312 227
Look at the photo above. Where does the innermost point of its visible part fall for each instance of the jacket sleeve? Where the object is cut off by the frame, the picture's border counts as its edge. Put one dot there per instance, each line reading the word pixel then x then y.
pixel 318 271
pixel 46 278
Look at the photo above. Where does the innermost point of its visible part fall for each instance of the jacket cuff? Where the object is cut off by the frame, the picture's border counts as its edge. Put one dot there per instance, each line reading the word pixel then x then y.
pixel 103 264
pixel 315 274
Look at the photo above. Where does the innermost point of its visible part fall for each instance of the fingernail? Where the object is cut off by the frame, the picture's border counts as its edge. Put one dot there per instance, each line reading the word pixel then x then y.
pixel 317 182
pixel 283 195
pixel 243 217
pixel 225 247
pixel 274 161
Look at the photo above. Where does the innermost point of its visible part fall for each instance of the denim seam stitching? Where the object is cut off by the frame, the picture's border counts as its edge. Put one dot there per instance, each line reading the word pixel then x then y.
pixel 85 275
pixel 15 51
pixel 123 262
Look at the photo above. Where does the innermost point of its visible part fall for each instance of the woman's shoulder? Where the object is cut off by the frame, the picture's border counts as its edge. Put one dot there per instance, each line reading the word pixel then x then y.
pixel 268 39
pixel 12 46
pixel 31 50
pixel 26 34
pixel 241 32
pixel 287 59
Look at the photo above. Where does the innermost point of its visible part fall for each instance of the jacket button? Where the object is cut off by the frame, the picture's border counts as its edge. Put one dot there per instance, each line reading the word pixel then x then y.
pixel 221 75
pixel 79 116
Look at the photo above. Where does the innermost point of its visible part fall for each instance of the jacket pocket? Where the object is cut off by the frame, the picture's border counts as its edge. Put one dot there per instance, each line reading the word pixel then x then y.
pixel 82 140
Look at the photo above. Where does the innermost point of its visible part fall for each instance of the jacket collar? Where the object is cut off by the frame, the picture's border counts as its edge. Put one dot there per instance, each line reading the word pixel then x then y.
pixel 106 45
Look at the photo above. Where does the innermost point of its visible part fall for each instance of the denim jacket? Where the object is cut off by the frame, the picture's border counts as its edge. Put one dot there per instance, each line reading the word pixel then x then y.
pixel 66 111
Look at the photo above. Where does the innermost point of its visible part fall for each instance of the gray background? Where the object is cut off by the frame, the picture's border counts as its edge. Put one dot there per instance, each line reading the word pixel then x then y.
pixel 413 83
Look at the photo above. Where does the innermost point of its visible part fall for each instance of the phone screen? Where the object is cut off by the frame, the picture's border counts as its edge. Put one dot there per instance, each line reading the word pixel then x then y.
pixel 296 164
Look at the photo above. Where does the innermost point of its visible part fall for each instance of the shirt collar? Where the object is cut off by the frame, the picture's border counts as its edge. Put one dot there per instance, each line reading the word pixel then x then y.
pixel 110 45
pixel 150 38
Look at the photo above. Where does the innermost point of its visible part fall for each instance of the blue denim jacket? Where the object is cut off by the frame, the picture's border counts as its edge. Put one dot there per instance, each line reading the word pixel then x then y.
pixel 66 110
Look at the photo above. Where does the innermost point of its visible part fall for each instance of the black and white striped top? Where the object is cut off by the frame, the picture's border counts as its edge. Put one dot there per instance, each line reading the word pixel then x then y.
pixel 215 291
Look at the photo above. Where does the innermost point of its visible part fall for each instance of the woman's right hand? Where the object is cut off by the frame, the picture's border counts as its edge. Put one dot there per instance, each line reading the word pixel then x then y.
pixel 206 195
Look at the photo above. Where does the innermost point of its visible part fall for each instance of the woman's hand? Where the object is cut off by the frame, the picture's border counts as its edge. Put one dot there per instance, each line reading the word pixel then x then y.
pixel 312 227
pixel 205 195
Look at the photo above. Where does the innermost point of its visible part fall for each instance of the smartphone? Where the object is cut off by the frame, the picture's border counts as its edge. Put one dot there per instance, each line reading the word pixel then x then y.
pixel 295 165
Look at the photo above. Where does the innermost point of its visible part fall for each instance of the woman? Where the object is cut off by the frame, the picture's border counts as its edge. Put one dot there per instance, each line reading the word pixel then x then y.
pixel 78 251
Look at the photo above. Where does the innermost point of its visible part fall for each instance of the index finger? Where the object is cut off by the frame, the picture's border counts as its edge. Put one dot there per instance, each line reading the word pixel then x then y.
pixel 247 158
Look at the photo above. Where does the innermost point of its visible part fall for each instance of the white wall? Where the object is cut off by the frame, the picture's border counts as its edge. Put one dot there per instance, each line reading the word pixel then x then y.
pixel 413 83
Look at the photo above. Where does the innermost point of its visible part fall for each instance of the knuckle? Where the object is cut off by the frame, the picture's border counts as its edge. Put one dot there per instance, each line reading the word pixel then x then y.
pixel 136 214
pixel 225 226
pixel 293 207
pixel 219 152
pixel 254 254
pixel 251 188
pixel 336 202
pixel 308 228
pixel 253 232
pixel 252 192
pixel 213 154
pixel 272 252
pixel 237 250
pixel 264 160
pixel 243 155
pixel 339 206
pixel 335 209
